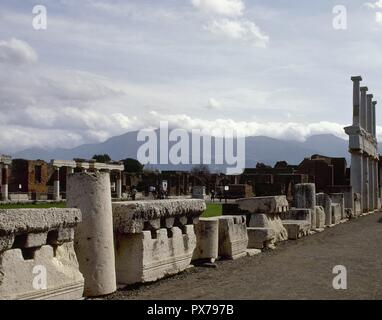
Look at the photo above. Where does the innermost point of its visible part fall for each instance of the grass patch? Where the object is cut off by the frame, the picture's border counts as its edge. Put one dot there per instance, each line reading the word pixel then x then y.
pixel 33 205
pixel 213 210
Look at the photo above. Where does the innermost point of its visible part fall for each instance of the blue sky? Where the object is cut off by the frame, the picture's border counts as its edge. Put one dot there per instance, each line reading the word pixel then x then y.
pixel 275 68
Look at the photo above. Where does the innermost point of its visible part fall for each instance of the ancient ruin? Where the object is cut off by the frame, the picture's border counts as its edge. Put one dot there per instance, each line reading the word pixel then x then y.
pixel 154 239
pixel 363 147
pixel 96 245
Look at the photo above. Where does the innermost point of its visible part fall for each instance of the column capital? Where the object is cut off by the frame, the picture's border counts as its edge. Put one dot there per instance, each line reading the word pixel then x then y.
pixel 370 96
pixel 356 78
pixel 375 102
pixel 364 89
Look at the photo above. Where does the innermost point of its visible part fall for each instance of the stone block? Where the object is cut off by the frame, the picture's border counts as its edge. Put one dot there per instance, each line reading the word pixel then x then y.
pixel 297 214
pixel 336 213
pixel 233 237
pixel 296 228
pixel 267 205
pixel 130 217
pixel 269 221
pixel 323 200
pixel 18 274
pixel 207 239
pixel 340 199
pixel 320 217
pixel 146 257
pixel 35 239
pixel 261 238
pixel 305 195
pixel 26 252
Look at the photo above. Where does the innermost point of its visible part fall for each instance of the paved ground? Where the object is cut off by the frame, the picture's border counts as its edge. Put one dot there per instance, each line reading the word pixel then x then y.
pixel 295 270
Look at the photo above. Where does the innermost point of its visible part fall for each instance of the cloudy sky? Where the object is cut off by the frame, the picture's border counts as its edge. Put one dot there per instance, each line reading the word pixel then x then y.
pixel 102 68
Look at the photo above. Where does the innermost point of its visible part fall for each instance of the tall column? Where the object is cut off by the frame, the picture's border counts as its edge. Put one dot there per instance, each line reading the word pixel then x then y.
pixel 4 182
pixel 119 185
pixel 379 183
pixel 376 189
pixel 56 184
pixel 374 103
pixel 370 121
pixel 93 240
pixel 365 191
pixel 363 107
pixel 357 174
pixel 357 112
pixel 369 107
pixel 376 171
pixel 371 184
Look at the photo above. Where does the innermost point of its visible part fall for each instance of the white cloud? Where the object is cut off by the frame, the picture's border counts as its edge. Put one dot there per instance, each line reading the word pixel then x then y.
pixel 213 104
pixel 378 17
pixel 277 130
pixel 243 30
pixel 17 52
pixel 374 5
pixel 230 8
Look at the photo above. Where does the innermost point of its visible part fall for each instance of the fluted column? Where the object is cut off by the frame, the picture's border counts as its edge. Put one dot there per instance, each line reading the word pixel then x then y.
pixel 357 112
pixel 56 184
pixel 363 107
pixel 374 103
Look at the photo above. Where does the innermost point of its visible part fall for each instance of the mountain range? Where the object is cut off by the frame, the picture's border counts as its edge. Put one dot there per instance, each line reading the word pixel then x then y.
pixel 258 149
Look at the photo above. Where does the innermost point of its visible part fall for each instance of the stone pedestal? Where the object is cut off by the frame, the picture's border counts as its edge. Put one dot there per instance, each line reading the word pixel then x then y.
pixel 207 239
pixel 325 202
pixel 94 245
pixel 37 257
pixel 305 198
pixel 155 238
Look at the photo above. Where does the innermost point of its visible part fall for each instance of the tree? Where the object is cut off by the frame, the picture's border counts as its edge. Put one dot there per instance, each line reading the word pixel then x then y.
pixel 104 158
pixel 132 165
pixel 201 169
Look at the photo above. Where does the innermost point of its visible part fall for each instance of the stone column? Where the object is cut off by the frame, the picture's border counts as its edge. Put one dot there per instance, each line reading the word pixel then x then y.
pixel 357 112
pixel 370 120
pixel 94 243
pixel 371 183
pixel 119 185
pixel 376 188
pixel 365 191
pixel 374 103
pixel 363 108
pixel 369 107
pixel 56 184
pixel 357 174
pixel 4 182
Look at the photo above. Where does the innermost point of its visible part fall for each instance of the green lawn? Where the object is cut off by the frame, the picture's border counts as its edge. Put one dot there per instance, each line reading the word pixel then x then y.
pixel 213 210
pixel 33 205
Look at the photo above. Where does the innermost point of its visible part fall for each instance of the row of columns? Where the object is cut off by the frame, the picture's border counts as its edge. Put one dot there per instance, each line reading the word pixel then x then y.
pixel 363 147
pixel 70 165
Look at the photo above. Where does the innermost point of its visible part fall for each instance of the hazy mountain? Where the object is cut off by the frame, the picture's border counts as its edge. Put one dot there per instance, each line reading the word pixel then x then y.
pixel 258 149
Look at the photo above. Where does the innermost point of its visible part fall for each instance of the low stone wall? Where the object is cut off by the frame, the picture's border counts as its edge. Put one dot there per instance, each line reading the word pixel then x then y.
pixel 233 238
pixel 37 258
pixel 154 239
pixel 265 226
